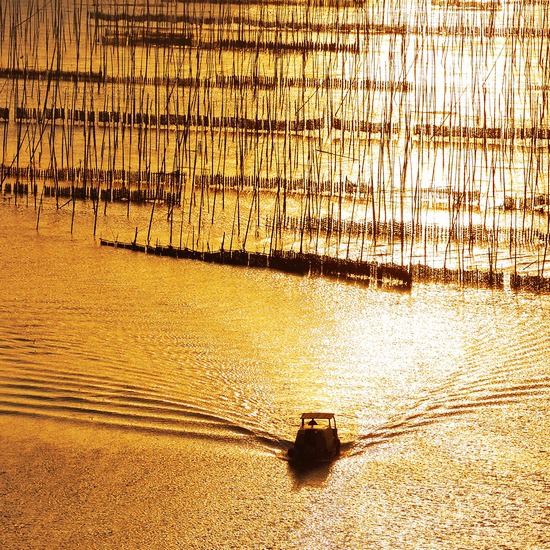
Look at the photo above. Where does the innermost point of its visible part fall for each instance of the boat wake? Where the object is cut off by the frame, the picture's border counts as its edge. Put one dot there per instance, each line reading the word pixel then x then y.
pixel 194 391
pixel 473 389
pixel 105 402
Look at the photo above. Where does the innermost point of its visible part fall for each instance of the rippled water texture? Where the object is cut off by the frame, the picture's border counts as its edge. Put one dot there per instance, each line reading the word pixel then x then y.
pixel 200 371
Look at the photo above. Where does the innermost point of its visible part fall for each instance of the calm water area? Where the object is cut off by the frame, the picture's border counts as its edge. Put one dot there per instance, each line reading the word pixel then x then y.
pixel 148 402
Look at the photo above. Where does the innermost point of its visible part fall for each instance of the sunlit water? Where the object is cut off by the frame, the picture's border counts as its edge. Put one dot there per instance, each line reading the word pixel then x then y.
pixel 441 395
pixel 149 402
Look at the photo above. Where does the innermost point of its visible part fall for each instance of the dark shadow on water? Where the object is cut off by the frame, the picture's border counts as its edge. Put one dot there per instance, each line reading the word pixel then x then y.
pixel 313 474
pixel 309 475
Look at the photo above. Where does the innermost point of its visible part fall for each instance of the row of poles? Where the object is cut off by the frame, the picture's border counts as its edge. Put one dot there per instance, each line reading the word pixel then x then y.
pixel 395 100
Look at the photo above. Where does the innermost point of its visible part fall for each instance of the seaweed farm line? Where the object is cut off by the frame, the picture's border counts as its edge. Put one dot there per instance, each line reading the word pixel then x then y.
pixel 408 135
pixel 276 125
pixel 407 230
pixel 166 187
pixel 387 254
pixel 354 271
pixel 367 273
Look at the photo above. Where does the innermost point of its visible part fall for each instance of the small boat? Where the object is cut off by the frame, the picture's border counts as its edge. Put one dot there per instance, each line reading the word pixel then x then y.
pixel 314 441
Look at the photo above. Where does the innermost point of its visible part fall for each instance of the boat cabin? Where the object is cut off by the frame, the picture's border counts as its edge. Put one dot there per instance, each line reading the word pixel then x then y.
pixel 317 438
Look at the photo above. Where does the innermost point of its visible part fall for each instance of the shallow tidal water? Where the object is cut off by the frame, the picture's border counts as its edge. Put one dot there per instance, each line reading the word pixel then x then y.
pixel 148 402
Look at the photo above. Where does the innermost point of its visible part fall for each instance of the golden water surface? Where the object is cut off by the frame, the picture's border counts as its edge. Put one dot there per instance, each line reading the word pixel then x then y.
pixel 148 402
